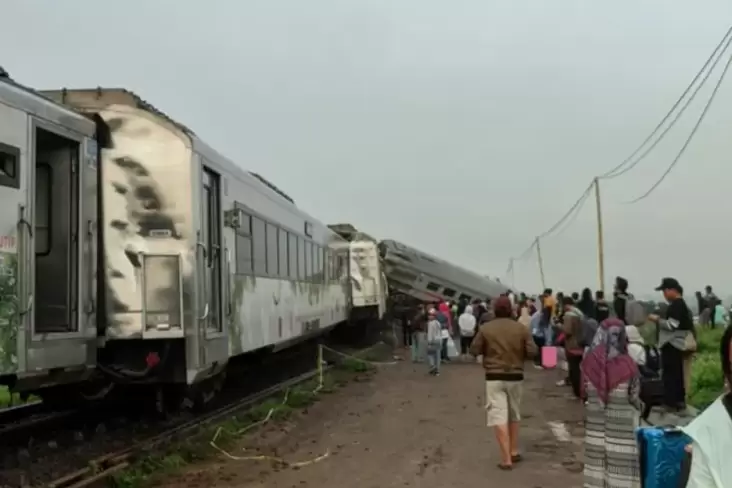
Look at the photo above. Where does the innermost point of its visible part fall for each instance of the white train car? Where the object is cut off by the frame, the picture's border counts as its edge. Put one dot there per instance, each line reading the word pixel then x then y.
pixel 202 260
pixel 427 278
pixel 368 282
pixel 48 174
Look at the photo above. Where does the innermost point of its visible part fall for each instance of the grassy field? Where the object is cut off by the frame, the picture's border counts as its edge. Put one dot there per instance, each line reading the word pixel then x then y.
pixel 707 381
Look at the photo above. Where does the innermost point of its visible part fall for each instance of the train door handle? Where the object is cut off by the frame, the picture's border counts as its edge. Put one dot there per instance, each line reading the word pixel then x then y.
pixel 205 313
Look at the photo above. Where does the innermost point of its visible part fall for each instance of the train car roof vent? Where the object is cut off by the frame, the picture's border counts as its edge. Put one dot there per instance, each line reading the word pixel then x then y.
pixel 272 187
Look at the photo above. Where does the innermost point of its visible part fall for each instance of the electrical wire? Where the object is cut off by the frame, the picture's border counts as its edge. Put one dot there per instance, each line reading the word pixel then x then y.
pixel 676 118
pixel 610 174
pixel 557 224
pixel 691 135
pixel 568 214
pixel 574 216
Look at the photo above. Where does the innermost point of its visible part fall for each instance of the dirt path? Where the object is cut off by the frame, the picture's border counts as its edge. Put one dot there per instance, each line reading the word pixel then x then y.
pixel 405 428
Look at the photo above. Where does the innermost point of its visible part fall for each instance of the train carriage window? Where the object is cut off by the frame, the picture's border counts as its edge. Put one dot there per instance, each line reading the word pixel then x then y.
pixel 433 286
pixel 465 298
pixel 300 258
pixel 43 209
pixel 308 260
pixel 292 251
pixel 284 272
pixel 259 238
pixel 318 251
pixel 449 292
pixel 244 261
pixel 272 251
pixel 9 166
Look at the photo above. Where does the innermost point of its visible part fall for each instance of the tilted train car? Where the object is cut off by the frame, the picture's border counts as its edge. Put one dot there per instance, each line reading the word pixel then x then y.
pixel 427 278
pixel 48 207
pixel 199 259
pixel 368 282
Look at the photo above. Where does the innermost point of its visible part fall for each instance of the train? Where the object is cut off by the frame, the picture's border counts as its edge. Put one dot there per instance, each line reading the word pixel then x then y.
pixel 426 278
pixel 134 257
pixel 133 254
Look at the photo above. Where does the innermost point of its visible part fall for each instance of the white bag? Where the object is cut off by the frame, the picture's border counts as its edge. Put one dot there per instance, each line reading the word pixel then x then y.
pixel 452 351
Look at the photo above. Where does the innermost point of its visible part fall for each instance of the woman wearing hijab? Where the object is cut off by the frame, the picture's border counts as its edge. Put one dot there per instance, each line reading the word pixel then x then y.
pixel 587 305
pixel 612 383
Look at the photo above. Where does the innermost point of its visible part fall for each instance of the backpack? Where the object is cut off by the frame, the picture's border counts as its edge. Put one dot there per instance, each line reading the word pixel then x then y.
pixel 635 314
pixel 589 328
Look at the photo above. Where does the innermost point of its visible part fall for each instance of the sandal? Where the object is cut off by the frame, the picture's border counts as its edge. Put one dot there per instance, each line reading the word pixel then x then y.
pixel 516 458
pixel 505 467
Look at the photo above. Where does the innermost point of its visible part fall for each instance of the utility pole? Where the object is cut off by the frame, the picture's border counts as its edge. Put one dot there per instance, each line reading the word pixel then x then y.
pixel 600 240
pixel 541 263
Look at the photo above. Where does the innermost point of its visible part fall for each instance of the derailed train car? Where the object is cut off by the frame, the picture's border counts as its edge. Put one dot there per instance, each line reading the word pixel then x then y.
pixel 177 259
pixel 427 278
pixel 368 282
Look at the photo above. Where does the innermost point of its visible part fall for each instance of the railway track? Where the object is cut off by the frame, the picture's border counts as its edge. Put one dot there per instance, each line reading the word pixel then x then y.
pixel 111 463
pixel 106 465
pixel 76 449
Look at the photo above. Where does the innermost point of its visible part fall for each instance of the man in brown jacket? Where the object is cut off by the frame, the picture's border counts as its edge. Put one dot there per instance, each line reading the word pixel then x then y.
pixel 505 345
pixel 572 330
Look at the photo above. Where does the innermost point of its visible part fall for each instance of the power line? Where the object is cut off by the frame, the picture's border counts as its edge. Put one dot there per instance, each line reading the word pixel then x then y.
pixel 675 119
pixel 576 213
pixel 610 174
pixel 691 135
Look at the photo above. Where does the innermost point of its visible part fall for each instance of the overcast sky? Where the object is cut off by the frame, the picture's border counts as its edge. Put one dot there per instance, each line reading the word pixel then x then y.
pixel 463 128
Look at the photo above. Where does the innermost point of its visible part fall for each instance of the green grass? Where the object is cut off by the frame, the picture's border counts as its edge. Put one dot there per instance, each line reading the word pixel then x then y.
pixel 8 399
pixel 197 447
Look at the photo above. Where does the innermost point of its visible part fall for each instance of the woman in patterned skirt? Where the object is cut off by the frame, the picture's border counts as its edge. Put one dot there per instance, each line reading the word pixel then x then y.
pixel 612 384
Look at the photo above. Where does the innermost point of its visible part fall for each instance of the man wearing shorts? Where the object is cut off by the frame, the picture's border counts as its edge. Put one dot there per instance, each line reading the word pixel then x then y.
pixel 505 345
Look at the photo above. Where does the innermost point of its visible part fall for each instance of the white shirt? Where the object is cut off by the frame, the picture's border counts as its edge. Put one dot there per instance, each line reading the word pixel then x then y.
pixel 466 322
pixel 710 457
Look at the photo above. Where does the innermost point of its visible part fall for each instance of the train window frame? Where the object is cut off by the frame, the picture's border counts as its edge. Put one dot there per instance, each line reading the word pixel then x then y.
pixel 449 292
pixel 308 260
pixel 9 166
pixel 48 227
pixel 284 256
pixel 318 251
pixel 301 258
pixel 259 246
pixel 244 260
pixel 292 254
pixel 432 286
pixel 273 251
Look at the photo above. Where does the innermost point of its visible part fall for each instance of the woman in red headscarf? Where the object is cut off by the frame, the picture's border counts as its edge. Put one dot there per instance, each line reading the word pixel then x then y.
pixel 612 383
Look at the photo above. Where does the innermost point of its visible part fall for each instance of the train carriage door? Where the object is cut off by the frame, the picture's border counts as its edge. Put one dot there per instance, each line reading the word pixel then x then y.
pixel 210 259
pixel 62 247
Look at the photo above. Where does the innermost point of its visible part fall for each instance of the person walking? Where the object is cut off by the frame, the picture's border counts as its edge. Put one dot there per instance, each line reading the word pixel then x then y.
pixel 676 340
pixel 587 305
pixel 505 345
pixel 572 328
pixel 434 343
pixel 611 381
pixel 419 335
pixel 466 324
pixel 602 309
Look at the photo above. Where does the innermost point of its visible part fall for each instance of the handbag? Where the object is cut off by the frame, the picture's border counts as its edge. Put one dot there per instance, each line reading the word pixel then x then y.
pixel 690 343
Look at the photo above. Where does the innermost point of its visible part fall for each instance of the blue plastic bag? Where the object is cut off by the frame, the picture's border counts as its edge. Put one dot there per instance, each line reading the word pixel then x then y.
pixel 662 455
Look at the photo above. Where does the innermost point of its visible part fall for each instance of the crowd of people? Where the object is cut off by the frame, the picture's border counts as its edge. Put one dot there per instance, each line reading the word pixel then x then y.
pixel 610 368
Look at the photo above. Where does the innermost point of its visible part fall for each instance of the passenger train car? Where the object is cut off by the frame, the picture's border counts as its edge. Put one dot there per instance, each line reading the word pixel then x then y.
pixel 48 208
pixel 368 282
pixel 143 255
pixel 427 278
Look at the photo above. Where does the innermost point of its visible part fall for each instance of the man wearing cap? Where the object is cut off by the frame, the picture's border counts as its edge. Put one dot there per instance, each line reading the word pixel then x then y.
pixel 676 341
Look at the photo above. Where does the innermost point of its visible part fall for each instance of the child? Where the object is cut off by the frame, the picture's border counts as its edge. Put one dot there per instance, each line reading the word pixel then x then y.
pixel 434 342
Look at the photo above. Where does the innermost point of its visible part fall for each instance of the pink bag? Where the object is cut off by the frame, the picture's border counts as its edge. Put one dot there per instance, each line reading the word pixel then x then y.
pixel 549 357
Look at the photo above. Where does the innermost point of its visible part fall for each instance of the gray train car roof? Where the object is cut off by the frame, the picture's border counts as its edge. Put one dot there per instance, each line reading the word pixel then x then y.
pixel 350 233
pixel 123 96
pixel 36 103
pixel 449 273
